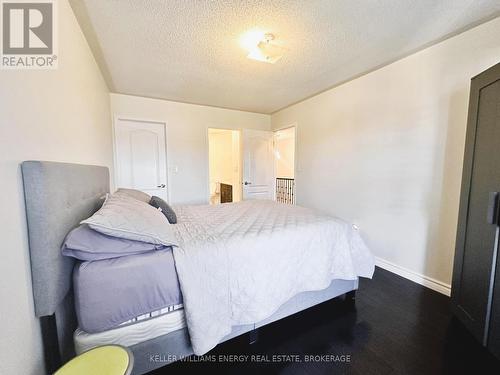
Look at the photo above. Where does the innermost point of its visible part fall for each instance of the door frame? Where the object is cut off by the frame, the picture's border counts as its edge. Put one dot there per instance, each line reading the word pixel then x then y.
pixel 295 159
pixel 117 118
pixel 240 158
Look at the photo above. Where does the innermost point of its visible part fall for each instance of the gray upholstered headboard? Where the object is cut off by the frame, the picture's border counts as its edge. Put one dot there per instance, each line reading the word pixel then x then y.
pixel 58 196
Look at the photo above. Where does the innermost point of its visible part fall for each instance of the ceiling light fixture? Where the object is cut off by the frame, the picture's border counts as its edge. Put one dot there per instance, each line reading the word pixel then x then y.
pixel 262 47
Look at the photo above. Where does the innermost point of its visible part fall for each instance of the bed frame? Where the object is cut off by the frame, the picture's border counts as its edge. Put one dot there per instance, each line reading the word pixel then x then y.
pixel 58 196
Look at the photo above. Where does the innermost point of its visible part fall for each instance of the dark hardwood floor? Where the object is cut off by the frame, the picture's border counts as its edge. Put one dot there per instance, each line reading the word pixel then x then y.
pixel 395 327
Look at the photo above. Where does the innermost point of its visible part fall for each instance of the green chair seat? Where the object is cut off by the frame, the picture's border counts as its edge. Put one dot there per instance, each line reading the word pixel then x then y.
pixel 103 360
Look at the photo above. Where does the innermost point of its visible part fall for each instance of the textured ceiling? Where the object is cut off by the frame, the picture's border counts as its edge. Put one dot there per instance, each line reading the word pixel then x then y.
pixel 189 50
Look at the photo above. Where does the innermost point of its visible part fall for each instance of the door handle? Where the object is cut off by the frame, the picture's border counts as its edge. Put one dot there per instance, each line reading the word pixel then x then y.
pixel 161 186
pixel 492 216
pixel 247 183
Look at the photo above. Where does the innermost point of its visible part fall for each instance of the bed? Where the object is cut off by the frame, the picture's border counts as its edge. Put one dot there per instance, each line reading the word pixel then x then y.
pixel 229 240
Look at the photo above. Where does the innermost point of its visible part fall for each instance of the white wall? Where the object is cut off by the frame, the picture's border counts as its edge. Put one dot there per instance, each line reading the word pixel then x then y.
pixel 60 115
pixel 385 150
pixel 224 160
pixel 284 144
pixel 220 156
pixel 187 138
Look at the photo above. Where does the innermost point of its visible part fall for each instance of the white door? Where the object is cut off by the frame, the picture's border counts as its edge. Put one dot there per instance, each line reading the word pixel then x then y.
pixel 140 156
pixel 258 164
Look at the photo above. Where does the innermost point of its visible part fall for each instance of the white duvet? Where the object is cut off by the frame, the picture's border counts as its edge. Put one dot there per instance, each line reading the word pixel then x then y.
pixel 238 262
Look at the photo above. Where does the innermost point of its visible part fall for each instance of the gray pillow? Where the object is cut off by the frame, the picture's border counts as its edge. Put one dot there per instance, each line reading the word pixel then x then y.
pixel 165 209
pixel 125 217
pixel 136 194
pixel 85 244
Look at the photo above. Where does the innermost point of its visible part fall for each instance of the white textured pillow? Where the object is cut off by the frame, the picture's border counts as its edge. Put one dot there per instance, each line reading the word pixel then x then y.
pixel 137 194
pixel 126 217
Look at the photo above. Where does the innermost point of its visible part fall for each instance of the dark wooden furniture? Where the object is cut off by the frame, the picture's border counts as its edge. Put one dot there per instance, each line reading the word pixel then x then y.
pixel 476 286
pixel 226 193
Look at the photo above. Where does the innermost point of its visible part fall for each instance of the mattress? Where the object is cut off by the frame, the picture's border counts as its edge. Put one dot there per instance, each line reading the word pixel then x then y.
pixel 130 334
pixel 111 292
pixel 152 314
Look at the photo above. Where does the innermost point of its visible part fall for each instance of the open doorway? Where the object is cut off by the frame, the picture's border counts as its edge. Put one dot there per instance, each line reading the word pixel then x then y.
pixel 224 165
pixel 284 149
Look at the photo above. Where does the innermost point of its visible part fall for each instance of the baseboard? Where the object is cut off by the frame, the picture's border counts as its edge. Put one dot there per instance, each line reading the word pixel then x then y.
pixel 416 277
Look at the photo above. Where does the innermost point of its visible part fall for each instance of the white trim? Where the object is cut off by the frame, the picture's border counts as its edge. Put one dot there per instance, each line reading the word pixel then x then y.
pixel 416 277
